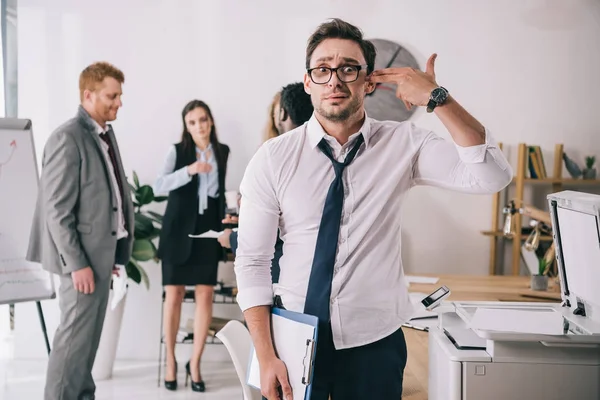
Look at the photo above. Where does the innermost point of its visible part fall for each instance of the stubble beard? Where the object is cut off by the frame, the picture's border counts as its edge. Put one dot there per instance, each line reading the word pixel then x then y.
pixel 340 115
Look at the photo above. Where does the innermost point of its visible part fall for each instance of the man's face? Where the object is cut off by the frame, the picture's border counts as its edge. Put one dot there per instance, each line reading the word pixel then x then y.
pixel 337 100
pixel 105 101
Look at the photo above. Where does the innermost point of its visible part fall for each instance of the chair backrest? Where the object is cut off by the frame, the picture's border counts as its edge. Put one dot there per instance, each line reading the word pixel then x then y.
pixel 237 340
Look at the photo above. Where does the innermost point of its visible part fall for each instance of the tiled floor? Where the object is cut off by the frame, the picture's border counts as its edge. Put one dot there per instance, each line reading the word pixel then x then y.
pixel 24 380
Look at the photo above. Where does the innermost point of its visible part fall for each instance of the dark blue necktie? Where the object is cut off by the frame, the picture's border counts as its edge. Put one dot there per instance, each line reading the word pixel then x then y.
pixel 321 274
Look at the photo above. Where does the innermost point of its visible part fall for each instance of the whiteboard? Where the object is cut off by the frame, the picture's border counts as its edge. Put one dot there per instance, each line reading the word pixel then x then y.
pixel 20 280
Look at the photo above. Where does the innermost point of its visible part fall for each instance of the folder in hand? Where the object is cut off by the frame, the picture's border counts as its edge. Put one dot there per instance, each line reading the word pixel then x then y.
pixel 295 341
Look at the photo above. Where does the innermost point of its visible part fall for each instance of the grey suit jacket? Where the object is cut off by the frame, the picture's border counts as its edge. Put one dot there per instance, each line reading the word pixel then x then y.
pixel 75 220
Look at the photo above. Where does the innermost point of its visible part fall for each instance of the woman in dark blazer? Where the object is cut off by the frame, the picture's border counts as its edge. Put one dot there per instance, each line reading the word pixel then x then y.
pixel 194 178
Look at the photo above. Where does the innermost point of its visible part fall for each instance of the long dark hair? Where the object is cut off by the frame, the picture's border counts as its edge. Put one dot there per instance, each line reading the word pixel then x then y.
pixel 186 137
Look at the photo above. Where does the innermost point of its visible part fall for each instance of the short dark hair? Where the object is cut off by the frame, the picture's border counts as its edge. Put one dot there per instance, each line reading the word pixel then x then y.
pixel 339 29
pixel 296 102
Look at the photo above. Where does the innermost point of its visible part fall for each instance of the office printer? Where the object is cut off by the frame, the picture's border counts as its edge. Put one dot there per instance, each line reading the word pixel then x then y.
pixel 473 355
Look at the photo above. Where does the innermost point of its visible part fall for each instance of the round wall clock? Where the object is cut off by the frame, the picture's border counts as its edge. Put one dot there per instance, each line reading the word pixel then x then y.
pixel 383 104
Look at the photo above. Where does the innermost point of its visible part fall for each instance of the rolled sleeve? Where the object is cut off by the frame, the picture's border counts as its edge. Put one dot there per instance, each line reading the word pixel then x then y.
pixel 474 169
pixel 257 233
pixel 476 154
pixel 253 297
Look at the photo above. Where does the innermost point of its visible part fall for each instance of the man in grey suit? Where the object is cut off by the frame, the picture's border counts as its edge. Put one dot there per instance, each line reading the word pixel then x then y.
pixel 83 228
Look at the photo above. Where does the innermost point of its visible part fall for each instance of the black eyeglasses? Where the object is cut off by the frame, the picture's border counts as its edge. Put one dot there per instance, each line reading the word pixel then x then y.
pixel 345 73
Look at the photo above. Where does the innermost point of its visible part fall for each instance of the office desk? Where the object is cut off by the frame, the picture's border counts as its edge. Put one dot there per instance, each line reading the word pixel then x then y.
pixel 466 288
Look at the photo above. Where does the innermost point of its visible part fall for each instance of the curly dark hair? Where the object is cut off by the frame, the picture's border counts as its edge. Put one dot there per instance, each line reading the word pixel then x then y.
pixel 296 103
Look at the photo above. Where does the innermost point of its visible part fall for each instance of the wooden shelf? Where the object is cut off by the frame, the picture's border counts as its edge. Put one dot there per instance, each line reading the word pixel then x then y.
pixel 553 182
pixel 561 181
pixel 543 238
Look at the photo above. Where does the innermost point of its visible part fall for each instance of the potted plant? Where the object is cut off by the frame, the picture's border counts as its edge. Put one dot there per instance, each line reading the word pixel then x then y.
pixel 145 231
pixel 589 172
pixel 540 281
pixel 147 228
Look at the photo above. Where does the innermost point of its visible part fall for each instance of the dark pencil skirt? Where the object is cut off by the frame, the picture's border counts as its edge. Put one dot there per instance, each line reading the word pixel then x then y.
pixel 201 266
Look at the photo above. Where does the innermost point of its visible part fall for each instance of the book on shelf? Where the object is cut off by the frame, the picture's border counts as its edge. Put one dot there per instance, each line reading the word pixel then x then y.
pixel 537 168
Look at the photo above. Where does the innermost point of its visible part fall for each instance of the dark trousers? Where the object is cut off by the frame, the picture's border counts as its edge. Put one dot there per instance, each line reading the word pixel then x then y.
pixel 373 371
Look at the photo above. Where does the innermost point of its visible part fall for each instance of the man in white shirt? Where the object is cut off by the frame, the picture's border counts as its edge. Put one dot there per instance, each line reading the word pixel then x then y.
pixel 335 187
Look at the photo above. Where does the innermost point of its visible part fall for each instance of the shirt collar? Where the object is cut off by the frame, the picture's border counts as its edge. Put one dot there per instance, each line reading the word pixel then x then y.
pixel 99 129
pixel 209 147
pixel 316 132
pixel 89 122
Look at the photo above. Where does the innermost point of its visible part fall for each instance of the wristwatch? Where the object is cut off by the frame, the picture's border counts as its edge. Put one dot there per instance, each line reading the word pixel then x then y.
pixel 437 97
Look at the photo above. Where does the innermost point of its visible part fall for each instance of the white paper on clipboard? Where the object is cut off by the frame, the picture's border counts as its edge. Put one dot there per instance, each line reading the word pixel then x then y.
pixel 209 234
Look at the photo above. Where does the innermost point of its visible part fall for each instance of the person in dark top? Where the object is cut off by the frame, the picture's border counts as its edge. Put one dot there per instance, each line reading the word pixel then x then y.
pixel 193 175
pixel 293 110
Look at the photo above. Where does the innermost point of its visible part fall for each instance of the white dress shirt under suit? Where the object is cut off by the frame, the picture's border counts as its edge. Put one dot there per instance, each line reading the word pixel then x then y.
pixel 121 231
pixel 285 186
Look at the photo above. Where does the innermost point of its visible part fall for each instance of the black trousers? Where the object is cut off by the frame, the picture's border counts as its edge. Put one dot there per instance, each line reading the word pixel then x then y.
pixel 373 371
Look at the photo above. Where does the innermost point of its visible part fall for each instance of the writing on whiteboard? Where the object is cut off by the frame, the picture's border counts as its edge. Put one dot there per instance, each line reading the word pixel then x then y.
pixel 4 161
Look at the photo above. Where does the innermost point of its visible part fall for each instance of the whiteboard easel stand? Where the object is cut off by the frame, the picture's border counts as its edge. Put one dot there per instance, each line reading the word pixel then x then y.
pixel 43 323
pixel 40 312
pixel 17 129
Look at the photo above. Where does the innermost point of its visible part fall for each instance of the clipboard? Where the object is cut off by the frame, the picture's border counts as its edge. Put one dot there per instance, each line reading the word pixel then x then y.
pixel 295 339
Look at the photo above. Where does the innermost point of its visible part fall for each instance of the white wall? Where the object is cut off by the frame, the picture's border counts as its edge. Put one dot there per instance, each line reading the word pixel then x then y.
pixel 527 69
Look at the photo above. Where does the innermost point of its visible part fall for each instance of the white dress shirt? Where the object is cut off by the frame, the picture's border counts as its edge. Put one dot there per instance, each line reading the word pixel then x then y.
pixel 208 182
pixel 121 231
pixel 285 186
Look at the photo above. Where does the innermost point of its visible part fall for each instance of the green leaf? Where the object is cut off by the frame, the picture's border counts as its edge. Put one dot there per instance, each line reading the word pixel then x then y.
pixel 144 228
pixel 151 235
pixel 136 180
pixel 145 195
pixel 133 272
pixel 133 189
pixel 143 274
pixel 160 199
pixel 154 234
pixel 143 250
pixel 155 216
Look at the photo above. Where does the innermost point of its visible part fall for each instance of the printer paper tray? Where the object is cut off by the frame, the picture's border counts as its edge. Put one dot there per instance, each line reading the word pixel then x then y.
pixel 465 311
pixel 568 340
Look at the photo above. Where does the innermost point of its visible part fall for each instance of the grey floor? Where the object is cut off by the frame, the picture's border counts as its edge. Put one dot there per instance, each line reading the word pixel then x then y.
pixel 24 379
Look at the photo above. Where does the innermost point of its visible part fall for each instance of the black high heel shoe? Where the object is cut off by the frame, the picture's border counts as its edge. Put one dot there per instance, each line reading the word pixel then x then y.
pixel 172 385
pixel 196 386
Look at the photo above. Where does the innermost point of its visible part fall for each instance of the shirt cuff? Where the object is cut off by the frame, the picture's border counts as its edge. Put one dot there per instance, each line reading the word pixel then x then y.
pixel 255 296
pixel 182 175
pixel 476 154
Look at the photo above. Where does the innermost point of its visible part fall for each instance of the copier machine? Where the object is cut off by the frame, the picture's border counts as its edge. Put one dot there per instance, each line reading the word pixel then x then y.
pixel 468 362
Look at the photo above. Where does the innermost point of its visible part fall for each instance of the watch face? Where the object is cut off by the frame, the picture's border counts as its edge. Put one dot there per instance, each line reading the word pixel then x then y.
pixel 439 95
pixel 383 104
